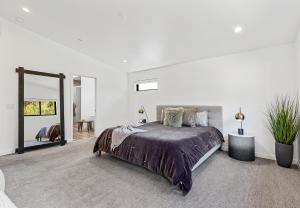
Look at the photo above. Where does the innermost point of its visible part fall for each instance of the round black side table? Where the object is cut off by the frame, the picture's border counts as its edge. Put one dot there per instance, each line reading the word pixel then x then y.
pixel 241 147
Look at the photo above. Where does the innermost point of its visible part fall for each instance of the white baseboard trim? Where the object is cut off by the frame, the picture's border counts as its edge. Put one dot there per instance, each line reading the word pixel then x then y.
pixel 262 155
pixel 265 156
pixel 2 153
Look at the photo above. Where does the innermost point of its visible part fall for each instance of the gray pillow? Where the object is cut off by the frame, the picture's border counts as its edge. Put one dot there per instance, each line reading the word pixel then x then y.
pixel 163 112
pixel 173 117
pixel 202 118
pixel 189 117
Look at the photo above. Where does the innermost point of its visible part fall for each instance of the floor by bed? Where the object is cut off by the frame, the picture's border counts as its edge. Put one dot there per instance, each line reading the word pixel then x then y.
pixel 71 176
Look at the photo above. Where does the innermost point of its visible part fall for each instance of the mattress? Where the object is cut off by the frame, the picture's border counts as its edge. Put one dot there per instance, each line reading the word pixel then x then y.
pixel 167 151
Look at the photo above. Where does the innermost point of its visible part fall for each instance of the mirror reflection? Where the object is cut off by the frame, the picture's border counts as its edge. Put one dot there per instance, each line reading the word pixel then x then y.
pixel 41 110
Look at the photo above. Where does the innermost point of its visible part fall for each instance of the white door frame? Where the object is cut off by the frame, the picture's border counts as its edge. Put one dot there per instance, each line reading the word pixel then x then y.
pixel 72 99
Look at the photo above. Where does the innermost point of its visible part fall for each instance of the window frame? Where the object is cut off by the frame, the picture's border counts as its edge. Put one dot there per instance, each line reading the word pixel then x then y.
pixel 136 85
pixel 40 108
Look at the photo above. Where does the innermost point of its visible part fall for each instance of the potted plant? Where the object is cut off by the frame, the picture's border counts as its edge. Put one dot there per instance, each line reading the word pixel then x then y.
pixel 282 116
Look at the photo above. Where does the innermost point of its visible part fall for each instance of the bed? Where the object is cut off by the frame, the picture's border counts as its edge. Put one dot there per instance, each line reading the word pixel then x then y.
pixel 171 152
pixel 52 133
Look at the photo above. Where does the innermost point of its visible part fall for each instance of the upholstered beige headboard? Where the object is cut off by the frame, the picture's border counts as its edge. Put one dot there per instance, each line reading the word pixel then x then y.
pixel 215 113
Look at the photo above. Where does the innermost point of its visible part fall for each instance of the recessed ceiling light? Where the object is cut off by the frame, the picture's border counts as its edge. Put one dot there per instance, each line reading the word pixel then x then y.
pixel 125 61
pixel 238 29
pixel 25 9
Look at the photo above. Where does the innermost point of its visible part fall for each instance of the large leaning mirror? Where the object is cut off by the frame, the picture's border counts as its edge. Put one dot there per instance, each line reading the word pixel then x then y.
pixel 41 110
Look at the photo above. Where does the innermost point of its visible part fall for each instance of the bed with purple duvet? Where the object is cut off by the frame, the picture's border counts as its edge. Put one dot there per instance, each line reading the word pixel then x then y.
pixel 168 151
pixel 52 133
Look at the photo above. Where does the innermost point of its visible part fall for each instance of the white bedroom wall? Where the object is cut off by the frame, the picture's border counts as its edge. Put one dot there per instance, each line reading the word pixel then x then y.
pixel 20 47
pixel 250 80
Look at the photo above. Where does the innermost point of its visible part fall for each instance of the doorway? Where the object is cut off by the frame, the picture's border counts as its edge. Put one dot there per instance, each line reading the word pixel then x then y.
pixel 83 107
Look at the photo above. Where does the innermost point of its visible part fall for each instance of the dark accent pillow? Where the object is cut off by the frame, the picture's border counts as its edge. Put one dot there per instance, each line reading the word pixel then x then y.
pixel 162 116
pixel 189 117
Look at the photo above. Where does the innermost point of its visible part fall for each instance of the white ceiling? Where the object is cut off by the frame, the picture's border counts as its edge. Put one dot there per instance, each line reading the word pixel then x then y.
pixel 153 33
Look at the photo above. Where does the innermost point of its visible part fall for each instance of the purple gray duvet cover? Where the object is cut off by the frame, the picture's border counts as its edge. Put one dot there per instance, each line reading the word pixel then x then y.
pixel 168 151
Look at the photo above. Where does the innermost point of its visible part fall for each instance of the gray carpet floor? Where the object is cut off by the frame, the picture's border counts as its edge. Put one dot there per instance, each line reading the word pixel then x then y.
pixel 71 176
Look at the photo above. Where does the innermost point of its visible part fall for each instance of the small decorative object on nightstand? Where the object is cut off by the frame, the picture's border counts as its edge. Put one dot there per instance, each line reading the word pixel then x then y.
pixel 142 111
pixel 241 147
pixel 241 117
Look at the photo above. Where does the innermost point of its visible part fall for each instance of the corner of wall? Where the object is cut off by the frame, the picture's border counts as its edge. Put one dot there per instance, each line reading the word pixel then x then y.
pixel 298 80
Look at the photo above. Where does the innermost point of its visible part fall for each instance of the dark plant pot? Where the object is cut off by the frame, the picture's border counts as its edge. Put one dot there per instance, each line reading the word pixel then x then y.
pixel 284 154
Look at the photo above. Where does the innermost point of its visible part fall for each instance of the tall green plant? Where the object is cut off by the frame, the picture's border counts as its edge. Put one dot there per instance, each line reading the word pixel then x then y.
pixel 282 116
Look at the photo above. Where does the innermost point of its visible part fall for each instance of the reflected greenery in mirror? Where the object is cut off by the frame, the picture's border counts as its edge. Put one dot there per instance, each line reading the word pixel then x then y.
pixel 48 108
pixel 31 108
pixel 39 108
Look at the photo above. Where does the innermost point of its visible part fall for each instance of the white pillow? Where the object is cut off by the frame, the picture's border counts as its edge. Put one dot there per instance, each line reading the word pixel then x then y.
pixel 202 118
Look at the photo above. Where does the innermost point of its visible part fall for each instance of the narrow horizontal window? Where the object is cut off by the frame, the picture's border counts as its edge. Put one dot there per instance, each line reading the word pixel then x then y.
pixel 48 108
pixel 144 86
pixel 40 108
pixel 32 108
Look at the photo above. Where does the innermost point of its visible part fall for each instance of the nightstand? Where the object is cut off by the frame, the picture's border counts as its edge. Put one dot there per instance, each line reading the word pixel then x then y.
pixel 241 147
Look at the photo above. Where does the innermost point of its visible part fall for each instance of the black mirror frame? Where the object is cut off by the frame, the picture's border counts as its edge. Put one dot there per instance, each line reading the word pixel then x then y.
pixel 21 72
